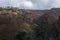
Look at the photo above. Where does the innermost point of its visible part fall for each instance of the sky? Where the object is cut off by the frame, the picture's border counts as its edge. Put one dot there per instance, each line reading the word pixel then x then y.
pixel 31 4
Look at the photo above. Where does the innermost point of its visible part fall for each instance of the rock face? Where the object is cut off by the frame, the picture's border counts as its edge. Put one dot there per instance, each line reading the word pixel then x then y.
pixel 31 14
pixel 51 15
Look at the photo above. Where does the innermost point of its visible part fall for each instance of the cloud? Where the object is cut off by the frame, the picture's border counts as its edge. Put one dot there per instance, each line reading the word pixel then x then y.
pixel 22 4
pixel 4 3
pixel 31 4
pixel 56 3
pixel 28 4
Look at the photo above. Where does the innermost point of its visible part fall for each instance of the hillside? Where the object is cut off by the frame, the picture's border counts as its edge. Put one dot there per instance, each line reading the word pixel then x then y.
pixel 14 20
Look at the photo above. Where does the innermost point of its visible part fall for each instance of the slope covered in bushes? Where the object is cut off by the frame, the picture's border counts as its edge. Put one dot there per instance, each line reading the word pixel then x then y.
pixel 21 24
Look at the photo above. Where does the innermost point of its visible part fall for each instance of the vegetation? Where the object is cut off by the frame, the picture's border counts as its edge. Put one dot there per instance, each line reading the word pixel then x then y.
pixel 14 26
pixel 46 31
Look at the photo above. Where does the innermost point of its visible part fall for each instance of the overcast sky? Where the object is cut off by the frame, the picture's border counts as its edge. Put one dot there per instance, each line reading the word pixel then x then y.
pixel 31 4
